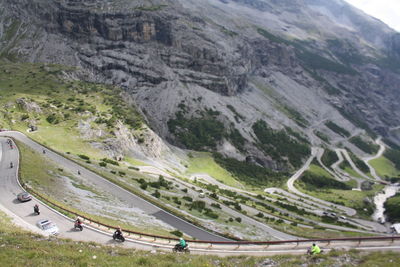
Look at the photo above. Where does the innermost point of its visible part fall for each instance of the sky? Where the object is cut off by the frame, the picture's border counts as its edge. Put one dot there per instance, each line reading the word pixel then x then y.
pixel 387 11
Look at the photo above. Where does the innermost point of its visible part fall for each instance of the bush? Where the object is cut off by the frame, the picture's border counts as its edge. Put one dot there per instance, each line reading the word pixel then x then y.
pixel 24 117
pixel 189 199
pixel 102 164
pixel 156 194
pixel 238 219
pixel 143 186
pixel 52 119
pixel 113 162
pixel 84 157
pixel 198 205
pixel 211 214
pixel 260 215
pixel 214 195
pixel 177 233
pixel 133 168
pixel 216 205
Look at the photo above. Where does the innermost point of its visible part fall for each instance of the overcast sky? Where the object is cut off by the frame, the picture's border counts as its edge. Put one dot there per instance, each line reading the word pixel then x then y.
pixel 387 11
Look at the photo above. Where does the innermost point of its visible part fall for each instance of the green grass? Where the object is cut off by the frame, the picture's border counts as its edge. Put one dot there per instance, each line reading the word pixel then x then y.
pixel 384 167
pixel 67 101
pixel 204 163
pixel 22 248
pixel 348 198
pixel 352 172
pixel 43 177
pixel 317 170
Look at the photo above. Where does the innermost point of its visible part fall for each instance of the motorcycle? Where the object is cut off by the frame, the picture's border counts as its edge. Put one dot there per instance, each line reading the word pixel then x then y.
pixel 36 210
pixel 179 248
pixel 11 165
pixel 78 226
pixel 309 252
pixel 118 237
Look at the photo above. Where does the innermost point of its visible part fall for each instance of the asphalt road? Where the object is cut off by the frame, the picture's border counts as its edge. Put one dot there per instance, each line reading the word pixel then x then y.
pixel 9 188
pixel 124 195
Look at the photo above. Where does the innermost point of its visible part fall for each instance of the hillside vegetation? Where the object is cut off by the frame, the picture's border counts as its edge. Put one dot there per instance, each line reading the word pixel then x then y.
pixel 21 248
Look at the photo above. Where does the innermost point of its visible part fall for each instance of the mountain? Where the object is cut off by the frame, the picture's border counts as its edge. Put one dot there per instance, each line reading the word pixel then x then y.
pixel 255 80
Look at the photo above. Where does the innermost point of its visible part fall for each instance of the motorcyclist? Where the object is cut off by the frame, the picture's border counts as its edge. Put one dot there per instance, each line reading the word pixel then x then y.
pixel 118 232
pixel 315 249
pixel 36 209
pixel 44 151
pixel 182 244
pixel 79 172
pixel 11 165
pixel 78 223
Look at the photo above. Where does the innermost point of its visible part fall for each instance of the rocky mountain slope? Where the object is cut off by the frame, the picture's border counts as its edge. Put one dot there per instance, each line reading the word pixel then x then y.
pixel 251 79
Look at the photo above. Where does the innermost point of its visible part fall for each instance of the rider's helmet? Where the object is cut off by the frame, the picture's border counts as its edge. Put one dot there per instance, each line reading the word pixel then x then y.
pixel 313 244
pixel 181 238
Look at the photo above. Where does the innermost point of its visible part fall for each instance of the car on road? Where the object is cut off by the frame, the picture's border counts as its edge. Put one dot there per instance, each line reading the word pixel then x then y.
pixel 48 226
pixel 24 197
pixel 343 217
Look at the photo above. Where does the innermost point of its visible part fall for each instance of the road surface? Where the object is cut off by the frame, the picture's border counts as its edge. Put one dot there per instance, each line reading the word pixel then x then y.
pixel 124 195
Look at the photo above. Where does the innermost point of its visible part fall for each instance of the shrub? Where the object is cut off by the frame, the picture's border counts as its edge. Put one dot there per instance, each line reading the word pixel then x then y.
pixel 216 205
pixel 198 205
pixel 211 214
pixel 24 117
pixel 177 233
pixel 189 199
pixel 52 119
pixel 113 162
pixel 102 164
pixel 238 219
pixel 214 195
pixel 156 194
pixel 133 168
pixel 84 157
pixel 143 186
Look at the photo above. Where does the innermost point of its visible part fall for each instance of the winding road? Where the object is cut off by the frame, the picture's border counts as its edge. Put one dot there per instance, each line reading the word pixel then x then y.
pixel 100 182
pixel 23 212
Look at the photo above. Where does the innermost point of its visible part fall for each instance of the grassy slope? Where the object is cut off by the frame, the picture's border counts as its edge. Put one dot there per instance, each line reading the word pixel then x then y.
pixel 204 163
pixel 21 248
pixel 384 167
pixel 43 176
pixel 348 198
pixel 70 101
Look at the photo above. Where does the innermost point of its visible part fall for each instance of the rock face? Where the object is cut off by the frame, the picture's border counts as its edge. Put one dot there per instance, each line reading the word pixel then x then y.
pixel 248 60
